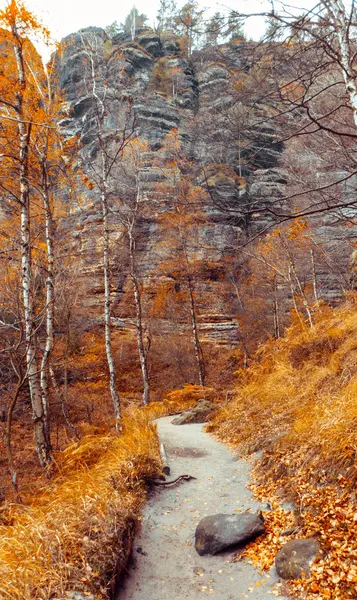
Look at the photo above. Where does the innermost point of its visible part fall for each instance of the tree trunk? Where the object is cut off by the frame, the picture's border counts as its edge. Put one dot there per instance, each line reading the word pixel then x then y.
pixel 10 458
pixel 196 342
pixel 63 402
pixel 292 269
pixel 107 311
pixel 314 276
pixel 292 288
pixel 337 13
pixel 49 298
pixel 40 430
pixel 276 310
pixel 139 321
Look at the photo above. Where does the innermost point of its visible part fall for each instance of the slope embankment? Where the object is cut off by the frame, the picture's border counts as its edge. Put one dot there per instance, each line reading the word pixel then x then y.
pixel 297 404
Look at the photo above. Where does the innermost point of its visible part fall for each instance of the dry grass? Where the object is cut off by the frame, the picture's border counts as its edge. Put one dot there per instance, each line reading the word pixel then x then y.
pixel 181 399
pixel 298 403
pixel 301 392
pixel 76 533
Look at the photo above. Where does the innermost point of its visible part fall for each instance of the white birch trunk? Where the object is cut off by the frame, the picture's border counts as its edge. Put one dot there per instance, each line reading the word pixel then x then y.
pixel 107 312
pixel 139 321
pixel 337 14
pixel 100 108
pixel 276 309
pixel 314 276
pixel 39 419
pixel 49 298
pixel 196 342
pixel 292 288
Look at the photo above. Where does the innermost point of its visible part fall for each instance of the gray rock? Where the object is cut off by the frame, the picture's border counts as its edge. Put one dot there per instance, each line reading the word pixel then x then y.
pixel 137 58
pixel 151 43
pixel 294 560
pixel 76 596
pixel 198 414
pixel 220 532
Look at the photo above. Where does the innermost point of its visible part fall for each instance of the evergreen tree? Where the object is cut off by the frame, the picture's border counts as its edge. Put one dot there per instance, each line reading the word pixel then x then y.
pixel 166 15
pixel 112 29
pixel 213 29
pixel 189 24
pixel 272 30
pixel 235 29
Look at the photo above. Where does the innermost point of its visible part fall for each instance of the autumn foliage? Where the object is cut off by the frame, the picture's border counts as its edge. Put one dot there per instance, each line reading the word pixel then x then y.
pixel 297 403
pixel 77 533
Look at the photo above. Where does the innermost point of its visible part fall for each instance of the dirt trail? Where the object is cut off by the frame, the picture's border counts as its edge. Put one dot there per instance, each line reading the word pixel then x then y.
pixel 165 563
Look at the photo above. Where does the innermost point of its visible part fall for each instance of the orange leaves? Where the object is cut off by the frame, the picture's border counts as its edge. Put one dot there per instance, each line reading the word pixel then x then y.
pixel 90 185
pixel 68 528
pixel 298 403
pixel 263 550
pixel 292 91
pixel 17 15
pixel 297 229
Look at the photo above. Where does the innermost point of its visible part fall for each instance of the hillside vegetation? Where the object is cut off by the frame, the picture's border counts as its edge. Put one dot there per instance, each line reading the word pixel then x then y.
pixel 172 197
pixel 77 533
pixel 297 404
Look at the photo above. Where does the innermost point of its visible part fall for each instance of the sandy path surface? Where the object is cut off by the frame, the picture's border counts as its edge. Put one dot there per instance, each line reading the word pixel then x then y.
pixel 165 564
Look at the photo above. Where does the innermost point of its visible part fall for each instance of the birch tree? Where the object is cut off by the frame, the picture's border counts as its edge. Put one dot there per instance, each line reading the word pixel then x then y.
pixel 131 208
pixel 180 225
pixel 20 112
pixel 107 147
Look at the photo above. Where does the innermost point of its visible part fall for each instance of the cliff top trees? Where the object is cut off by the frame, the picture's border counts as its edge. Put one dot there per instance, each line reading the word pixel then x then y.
pixel 189 24
pixel 166 15
pixel 308 63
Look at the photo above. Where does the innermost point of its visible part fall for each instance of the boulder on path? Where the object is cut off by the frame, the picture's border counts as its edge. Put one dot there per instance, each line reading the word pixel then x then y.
pixel 197 414
pixel 220 532
pixel 294 560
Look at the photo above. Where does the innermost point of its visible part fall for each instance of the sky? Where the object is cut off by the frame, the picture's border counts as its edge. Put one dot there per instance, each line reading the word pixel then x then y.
pixel 63 17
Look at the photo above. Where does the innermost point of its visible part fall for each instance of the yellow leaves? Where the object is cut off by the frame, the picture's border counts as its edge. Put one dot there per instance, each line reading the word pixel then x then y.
pixel 18 18
pixel 296 403
pixel 297 228
pixel 66 532
pixel 134 149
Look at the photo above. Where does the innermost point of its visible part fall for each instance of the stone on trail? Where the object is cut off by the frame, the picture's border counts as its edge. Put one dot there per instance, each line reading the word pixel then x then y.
pixel 220 532
pixel 76 596
pixel 197 414
pixel 294 560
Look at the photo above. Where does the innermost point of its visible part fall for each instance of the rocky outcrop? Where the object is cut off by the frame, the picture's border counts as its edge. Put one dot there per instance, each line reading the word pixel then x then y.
pixel 236 159
pixel 167 92
pixel 221 532
pixel 294 560
pixel 197 414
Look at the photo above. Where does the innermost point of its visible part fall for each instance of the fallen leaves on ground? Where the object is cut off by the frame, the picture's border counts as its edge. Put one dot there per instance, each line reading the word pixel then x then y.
pixel 325 512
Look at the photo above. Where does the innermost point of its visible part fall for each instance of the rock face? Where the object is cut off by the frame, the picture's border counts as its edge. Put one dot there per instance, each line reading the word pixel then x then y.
pixel 167 91
pixel 239 166
pixel 294 560
pixel 197 414
pixel 220 532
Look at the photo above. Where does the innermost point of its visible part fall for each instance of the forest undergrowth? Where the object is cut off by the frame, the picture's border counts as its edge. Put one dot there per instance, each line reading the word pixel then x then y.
pixel 75 531
pixel 296 405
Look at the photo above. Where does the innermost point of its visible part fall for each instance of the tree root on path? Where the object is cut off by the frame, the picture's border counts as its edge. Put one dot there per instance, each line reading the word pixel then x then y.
pixel 177 480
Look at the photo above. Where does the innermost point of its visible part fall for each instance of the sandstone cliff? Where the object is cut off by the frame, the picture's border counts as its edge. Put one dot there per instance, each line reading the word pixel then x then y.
pixel 228 137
